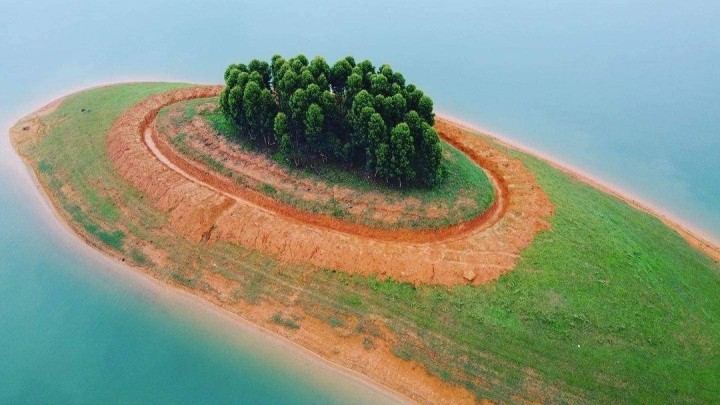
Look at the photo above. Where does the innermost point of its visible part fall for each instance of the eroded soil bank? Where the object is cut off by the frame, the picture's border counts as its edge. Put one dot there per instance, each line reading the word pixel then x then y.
pixel 206 207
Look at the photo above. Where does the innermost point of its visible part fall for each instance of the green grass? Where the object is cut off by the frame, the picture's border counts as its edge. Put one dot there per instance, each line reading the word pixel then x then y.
pixel 352 300
pixel 111 238
pixel 180 142
pixel 288 323
pixel 183 279
pixel 139 257
pixel 73 153
pixel 335 322
pixel 214 164
pixel 610 305
pixel 268 189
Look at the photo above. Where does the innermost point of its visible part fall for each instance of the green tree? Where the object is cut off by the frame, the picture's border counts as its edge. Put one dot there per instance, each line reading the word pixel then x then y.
pixel 350 113
pixel 314 93
pixel 361 100
pixel 282 137
pixel 322 82
pixel 425 109
pixel 319 67
pixel 275 65
pixel 306 77
pixel 298 107
pixel 412 118
pixel 413 96
pixel 367 69
pixel 398 79
pixel 235 107
pixel 235 66
pixel 379 85
pixel 386 70
pixel 268 110
pixel 280 126
pixel 314 121
pixel 394 108
pixel 382 161
pixel 429 156
pixel 353 86
pixel 262 69
pixel 259 111
pixel 289 83
pixel 396 156
pixel 339 74
pixel 251 107
pixel 377 135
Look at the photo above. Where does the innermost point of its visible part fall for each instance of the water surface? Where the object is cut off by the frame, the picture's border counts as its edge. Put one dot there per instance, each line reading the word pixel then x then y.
pixel 627 91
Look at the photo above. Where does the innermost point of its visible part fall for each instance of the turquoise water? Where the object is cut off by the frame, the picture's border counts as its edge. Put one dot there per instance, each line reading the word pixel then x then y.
pixel 76 327
pixel 626 90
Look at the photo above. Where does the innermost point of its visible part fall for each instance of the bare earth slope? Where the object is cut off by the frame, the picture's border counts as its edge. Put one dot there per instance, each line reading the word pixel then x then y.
pixel 204 206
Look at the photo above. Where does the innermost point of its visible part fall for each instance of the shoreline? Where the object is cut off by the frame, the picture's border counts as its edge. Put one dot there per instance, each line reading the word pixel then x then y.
pixel 695 237
pixel 221 311
pixel 316 341
pixel 64 229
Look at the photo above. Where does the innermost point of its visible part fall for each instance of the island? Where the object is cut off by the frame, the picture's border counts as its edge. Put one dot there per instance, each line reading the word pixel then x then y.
pixel 330 205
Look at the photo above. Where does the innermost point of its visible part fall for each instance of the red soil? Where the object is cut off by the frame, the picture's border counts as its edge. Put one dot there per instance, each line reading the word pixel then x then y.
pixel 204 206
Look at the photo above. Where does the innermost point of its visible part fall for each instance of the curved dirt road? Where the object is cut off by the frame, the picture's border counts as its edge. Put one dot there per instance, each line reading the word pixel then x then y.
pixel 207 207
pixel 198 173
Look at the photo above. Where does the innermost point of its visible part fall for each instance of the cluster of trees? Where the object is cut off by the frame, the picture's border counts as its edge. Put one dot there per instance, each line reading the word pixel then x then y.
pixel 349 113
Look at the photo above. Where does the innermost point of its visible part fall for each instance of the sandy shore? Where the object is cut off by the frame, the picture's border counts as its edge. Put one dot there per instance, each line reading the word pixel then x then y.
pixel 695 237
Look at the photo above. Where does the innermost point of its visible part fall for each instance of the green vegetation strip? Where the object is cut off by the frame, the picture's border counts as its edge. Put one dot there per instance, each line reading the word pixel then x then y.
pixel 608 306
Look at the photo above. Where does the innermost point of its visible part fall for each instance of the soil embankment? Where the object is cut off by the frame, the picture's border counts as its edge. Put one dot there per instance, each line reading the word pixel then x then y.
pixel 191 129
pixel 206 207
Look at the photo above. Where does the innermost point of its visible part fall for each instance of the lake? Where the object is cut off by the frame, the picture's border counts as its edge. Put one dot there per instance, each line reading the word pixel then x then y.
pixel 626 91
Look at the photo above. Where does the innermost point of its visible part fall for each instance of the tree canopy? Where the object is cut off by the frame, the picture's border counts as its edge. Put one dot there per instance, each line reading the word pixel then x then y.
pixel 348 113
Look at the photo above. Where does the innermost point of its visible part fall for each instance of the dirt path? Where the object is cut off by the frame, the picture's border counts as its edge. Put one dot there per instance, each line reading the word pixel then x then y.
pixel 201 143
pixel 199 174
pixel 206 207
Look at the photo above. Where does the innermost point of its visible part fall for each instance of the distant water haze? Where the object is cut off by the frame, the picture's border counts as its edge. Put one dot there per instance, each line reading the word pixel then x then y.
pixel 628 91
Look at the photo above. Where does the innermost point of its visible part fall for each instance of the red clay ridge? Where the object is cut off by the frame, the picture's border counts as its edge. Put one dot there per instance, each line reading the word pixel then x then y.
pixel 206 207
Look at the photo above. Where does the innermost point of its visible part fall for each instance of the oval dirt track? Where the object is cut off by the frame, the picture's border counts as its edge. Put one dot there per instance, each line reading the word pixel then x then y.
pixel 206 207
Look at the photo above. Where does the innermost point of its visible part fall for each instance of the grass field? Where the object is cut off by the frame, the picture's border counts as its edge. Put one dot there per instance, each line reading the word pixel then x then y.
pixel 610 305
pixel 464 193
